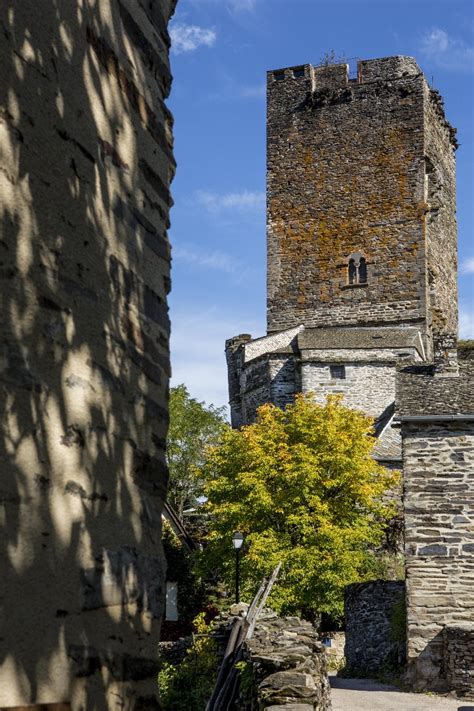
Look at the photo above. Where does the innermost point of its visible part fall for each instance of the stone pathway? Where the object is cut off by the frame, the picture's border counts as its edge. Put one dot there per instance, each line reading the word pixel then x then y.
pixel 369 695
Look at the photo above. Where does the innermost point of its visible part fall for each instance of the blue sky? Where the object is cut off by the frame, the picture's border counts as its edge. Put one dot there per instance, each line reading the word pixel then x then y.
pixel 221 52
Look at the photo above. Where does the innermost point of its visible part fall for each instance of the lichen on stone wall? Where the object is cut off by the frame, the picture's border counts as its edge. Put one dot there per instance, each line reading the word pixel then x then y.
pixel 346 173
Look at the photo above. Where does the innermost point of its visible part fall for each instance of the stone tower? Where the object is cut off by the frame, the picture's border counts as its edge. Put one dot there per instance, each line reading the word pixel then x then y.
pixel 361 227
pixel 362 268
pixel 361 237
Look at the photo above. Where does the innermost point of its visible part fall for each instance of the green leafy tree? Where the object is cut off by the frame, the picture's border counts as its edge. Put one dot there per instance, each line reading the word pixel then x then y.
pixel 193 427
pixel 302 486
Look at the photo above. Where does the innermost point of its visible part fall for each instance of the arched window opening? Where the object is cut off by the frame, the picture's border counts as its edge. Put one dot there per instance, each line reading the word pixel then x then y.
pixel 352 272
pixel 356 269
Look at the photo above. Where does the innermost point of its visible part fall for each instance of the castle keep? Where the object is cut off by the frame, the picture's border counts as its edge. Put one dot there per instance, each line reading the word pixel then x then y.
pixel 361 282
pixel 361 239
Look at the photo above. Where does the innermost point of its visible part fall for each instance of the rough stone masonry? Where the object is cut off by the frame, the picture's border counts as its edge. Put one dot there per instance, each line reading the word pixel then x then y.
pixel 361 239
pixel 436 414
pixel 85 166
pixel 361 282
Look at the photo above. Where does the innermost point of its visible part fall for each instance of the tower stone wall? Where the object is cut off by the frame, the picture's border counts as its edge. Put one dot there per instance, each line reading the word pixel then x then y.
pixel 85 166
pixel 350 175
pixel 439 219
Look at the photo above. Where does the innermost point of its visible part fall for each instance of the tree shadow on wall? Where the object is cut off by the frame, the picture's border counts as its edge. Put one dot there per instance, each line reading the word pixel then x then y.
pixel 84 363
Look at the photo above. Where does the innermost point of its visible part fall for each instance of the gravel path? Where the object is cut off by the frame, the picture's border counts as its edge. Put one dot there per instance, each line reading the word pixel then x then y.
pixel 369 695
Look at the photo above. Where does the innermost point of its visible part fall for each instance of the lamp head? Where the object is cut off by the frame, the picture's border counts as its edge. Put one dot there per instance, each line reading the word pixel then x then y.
pixel 237 540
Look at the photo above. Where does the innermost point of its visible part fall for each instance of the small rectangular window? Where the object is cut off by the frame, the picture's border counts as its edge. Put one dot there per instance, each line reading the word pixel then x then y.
pixel 338 372
pixel 298 72
pixel 279 76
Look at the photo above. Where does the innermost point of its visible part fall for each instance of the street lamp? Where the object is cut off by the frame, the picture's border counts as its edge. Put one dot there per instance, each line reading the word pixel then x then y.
pixel 237 541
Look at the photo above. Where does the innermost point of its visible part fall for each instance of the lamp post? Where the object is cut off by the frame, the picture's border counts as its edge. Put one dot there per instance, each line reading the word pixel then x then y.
pixel 237 541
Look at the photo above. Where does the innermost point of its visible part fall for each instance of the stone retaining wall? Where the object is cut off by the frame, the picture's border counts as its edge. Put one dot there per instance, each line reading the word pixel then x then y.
pixel 289 666
pixel 285 664
pixel 459 658
pixel 374 626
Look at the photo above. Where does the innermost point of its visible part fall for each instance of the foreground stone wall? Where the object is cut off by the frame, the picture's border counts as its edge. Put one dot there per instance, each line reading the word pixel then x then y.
pixel 289 667
pixel 85 166
pixel 437 420
pixel 374 626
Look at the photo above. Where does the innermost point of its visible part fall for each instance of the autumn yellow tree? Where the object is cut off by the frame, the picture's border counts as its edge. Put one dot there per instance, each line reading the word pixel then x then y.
pixel 302 486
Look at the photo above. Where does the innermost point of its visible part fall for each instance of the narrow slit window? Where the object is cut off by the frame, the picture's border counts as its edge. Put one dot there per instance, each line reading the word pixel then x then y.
pixel 352 271
pixel 338 372
pixel 362 271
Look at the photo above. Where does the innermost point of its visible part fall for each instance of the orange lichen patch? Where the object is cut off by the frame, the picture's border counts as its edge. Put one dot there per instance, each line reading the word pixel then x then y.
pixel 357 171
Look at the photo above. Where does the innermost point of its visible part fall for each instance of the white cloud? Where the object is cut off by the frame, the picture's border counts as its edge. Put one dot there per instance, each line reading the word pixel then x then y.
pixel 257 91
pixel 197 351
pixel 242 4
pixel 213 260
pixel 466 322
pixel 239 272
pixel 446 51
pixel 235 5
pixel 467 267
pixel 241 200
pixel 187 38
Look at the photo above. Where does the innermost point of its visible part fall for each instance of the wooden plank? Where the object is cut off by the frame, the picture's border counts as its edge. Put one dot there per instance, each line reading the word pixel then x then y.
pixel 242 629
pixel 262 602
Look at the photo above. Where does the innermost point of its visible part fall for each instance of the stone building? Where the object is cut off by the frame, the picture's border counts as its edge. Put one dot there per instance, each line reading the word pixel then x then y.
pixel 435 409
pixel 361 282
pixel 361 239
pixel 85 166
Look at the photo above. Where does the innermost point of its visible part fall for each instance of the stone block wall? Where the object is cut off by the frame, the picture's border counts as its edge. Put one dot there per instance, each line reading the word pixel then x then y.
pixel 274 368
pixel 374 626
pixel 288 666
pixel 437 420
pixel 438 461
pixel 368 386
pixel 458 656
pixel 347 174
pixel 85 166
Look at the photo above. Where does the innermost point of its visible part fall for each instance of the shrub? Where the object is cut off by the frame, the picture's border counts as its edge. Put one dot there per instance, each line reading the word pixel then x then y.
pixel 189 685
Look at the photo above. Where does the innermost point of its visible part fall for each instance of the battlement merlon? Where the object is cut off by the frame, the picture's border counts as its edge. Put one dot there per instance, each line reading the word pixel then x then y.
pixel 368 70
pixel 307 78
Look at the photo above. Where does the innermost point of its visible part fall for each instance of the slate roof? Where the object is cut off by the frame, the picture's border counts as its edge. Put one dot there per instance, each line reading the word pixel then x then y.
pixel 364 338
pixel 389 444
pixel 421 392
